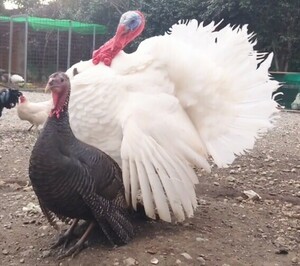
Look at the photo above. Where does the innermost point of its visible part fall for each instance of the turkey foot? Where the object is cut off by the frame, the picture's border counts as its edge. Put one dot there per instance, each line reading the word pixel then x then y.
pixel 65 238
pixel 74 250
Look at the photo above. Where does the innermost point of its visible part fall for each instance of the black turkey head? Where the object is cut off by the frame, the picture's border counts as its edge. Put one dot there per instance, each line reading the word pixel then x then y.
pixel 59 84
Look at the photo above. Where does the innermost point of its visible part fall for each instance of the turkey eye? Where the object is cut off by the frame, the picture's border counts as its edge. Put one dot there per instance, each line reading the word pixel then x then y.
pixel 62 80
pixel 133 24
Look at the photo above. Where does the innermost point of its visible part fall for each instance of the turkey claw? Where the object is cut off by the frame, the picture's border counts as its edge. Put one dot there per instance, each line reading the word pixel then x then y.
pixel 62 240
pixel 73 251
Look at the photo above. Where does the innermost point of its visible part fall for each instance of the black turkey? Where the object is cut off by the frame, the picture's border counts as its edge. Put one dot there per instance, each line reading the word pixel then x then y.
pixel 74 180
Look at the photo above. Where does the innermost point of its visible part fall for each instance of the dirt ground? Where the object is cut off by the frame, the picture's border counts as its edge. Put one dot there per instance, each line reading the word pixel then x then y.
pixel 228 228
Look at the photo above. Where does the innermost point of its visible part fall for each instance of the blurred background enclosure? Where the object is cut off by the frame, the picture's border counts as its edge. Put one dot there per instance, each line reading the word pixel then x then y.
pixel 55 41
pixel 35 47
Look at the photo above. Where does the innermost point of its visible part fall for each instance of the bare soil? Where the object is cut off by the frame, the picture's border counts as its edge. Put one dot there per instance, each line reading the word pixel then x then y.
pixel 228 228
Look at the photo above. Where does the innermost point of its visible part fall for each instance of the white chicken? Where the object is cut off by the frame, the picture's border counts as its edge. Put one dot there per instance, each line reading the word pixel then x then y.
pixel 17 79
pixel 192 94
pixel 35 113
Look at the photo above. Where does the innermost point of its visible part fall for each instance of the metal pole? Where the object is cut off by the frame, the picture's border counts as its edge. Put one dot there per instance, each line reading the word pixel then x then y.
pixel 57 51
pixel 25 48
pixel 69 44
pixel 11 44
pixel 11 25
pixel 94 38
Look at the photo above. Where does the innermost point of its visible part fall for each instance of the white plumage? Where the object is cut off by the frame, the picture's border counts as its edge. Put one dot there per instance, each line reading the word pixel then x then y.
pixel 35 113
pixel 17 79
pixel 179 99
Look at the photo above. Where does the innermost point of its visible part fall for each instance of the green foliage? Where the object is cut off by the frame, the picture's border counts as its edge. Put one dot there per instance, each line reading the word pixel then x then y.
pixel 2 6
pixel 274 22
pixel 27 5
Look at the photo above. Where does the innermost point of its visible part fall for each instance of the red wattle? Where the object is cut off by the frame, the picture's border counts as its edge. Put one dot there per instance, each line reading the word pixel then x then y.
pixel 104 53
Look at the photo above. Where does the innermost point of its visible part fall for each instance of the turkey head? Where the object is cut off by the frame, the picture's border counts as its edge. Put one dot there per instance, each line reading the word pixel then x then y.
pixel 59 84
pixel 130 26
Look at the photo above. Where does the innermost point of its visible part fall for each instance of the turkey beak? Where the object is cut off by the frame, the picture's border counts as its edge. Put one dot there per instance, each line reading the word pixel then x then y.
pixel 54 85
pixel 49 85
pixel 47 89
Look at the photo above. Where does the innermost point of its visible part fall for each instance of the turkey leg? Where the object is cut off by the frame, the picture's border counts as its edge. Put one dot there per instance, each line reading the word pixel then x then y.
pixel 74 250
pixel 66 236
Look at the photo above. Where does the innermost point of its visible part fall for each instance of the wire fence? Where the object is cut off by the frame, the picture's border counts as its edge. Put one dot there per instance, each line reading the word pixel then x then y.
pixel 36 47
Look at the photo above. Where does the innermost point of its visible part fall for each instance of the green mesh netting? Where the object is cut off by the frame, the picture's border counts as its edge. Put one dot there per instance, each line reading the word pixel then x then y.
pixel 290 87
pixel 46 24
pixel 288 77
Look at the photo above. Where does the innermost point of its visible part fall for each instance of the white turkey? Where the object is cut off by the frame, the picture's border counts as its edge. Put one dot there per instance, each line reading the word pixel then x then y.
pixel 192 94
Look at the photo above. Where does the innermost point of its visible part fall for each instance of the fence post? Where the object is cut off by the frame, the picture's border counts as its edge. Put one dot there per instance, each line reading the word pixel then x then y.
pixel 26 49
pixel 11 25
pixel 11 45
pixel 69 44
pixel 57 51
pixel 94 38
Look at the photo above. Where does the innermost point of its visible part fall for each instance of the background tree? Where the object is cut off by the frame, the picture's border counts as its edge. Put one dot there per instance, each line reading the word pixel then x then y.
pixel 274 22
pixel 2 6
pixel 27 6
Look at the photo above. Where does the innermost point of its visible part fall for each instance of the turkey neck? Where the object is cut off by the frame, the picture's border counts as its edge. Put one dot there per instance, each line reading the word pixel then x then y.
pixel 60 125
pixel 58 128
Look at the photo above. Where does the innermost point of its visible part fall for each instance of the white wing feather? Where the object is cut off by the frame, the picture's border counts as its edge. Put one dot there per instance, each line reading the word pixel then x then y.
pixel 164 109
pixel 94 106
pixel 163 144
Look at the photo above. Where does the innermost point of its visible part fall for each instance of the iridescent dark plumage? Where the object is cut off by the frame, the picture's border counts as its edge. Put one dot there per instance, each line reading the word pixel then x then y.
pixel 74 180
pixel 8 98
